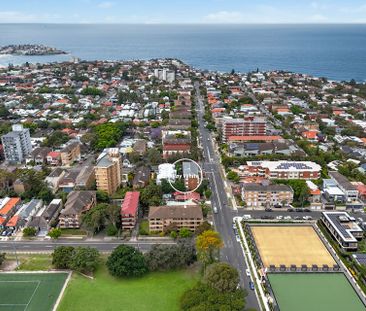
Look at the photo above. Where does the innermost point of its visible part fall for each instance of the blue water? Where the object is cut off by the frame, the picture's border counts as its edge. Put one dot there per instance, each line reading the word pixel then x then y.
pixel 334 51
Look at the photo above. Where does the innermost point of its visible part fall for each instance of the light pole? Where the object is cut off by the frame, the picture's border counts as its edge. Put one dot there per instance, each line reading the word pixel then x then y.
pixel 15 252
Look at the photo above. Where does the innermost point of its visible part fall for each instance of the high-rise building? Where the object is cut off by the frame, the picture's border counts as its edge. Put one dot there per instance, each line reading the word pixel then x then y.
pixel 17 144
pixel 108 171
pixel 248 126
pixel 165 74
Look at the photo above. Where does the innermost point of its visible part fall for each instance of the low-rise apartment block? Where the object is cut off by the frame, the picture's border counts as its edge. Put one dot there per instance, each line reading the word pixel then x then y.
pixel 70 153
pixel 129 210
pixel 78 202
pixel 186 216
pixel 283 169
pixel 259 196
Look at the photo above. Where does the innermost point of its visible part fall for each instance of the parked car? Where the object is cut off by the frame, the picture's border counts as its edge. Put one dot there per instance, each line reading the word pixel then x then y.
pixel 237 237
pixel 290 210
pixel 279 217
pixel 287 218
pixel 247 272
pixel 215 210
pixel 268 209
pixel 251 285
pixel 297 218
pixel 307 210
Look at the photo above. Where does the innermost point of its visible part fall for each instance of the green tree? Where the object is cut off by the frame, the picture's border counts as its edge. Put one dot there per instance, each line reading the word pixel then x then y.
pixel 203 227
pixel 62 257
pixel 29 231
pixel 163 257
pixel 203 298
pixel 154 156
pixel 222 277
pixel 85 259
pixel 102 196
pixel 95 219
pixel 126 261
pixel 55 233
pixel 185 233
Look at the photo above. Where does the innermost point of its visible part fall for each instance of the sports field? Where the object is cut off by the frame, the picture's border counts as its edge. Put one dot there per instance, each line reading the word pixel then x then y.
pixel 290 245
pixel 30 291
pixel 314 291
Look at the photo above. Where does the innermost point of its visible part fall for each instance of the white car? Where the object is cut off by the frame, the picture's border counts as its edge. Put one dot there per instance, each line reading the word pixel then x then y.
pixel 237 238
pixel 279 217
pixel 247 272
pixel 287 218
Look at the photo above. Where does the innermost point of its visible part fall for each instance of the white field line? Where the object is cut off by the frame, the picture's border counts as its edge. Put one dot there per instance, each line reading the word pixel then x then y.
pixel 34 292
pixel 62 292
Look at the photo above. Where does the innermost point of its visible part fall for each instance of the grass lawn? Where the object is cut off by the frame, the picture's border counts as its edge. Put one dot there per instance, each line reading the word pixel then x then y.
pixel 72 231
pixel 32 262
pixel 314 291
pixel 144 227
pixel 155 291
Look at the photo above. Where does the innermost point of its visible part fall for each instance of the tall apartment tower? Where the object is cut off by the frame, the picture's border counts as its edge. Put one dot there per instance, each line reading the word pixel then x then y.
pixel 17 144
pixel 108 171
pixel 248 126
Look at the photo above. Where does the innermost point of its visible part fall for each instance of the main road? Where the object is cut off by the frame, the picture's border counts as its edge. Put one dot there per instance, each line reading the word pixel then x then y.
pixel 231 252
pixel 49 246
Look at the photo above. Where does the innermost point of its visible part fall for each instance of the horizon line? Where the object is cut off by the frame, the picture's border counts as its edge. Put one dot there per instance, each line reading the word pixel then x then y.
pixel 183 24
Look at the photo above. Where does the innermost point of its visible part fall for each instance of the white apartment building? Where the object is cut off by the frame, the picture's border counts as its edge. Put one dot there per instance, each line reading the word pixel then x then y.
pixel 17 144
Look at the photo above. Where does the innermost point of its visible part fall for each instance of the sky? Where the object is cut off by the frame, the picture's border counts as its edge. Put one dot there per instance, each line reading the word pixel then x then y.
pixel 183 11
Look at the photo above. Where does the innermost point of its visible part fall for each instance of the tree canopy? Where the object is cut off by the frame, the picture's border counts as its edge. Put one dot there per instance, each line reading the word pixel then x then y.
pixel 222 277
pixel 126 261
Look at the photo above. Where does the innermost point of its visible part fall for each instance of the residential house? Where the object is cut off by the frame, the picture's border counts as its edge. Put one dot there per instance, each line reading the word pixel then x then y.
pixel 141 178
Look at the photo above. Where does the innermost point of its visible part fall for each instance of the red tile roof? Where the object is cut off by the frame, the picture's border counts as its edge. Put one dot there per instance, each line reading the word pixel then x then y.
pixel 13 221
pixel 130 203
pixel 9 206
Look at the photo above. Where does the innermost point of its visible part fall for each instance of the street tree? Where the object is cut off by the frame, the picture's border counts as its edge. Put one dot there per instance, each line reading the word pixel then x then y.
pixel 29 231
pixel 85 259
pixel 222 277
pixel 62 257
pixel 208 246
pixel 126 261
pixel 55 233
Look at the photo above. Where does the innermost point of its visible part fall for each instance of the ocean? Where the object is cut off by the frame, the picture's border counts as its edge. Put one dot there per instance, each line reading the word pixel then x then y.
pixel 337 52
